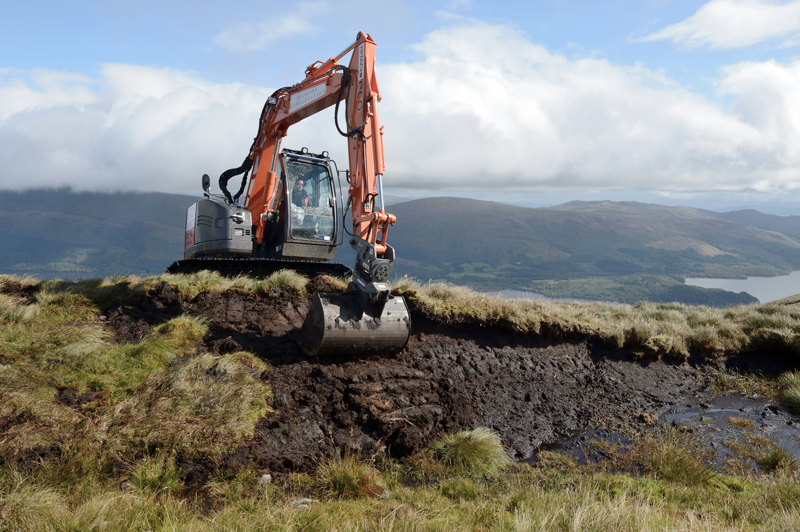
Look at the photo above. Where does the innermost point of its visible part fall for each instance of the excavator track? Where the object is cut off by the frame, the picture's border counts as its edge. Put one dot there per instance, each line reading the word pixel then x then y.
pixel 258 268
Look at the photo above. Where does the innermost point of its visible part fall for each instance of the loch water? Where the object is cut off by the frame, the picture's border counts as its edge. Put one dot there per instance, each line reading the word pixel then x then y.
pixel 765 289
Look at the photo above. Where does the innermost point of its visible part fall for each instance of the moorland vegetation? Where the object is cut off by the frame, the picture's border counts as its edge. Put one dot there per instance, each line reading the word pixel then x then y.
pixel 95 434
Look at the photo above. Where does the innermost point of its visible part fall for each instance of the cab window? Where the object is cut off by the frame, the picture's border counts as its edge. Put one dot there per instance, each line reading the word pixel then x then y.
pixel 310 201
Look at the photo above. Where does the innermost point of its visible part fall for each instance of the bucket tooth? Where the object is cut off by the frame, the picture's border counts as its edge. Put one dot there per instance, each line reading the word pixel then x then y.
pixel 348 324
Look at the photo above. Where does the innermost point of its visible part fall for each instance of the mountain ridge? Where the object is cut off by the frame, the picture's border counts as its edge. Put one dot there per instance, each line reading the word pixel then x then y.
pixel 564 249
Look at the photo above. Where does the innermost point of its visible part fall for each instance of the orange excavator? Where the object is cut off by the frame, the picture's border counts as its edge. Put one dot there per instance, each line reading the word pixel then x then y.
pixel 293 216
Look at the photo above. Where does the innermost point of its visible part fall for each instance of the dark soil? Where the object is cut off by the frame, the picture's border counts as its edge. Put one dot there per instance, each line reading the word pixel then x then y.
pixel 530 389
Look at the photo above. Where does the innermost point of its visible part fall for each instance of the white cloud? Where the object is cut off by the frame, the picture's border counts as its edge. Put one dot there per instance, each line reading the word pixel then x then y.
pixel 253 37
pixel 143 129
pixel 722 24
pixel 489 109
pixel 485 109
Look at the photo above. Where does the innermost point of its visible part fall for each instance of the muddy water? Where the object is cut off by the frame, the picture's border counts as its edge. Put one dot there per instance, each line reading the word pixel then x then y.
pixel 720 423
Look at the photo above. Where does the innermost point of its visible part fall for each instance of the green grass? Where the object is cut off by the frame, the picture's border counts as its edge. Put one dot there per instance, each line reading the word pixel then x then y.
pixel 775 459
pixel 675 460
pixel 551 495
pixel 142 400
pixel 116 460
pixel 351 477
pixel 791 390
pixel 658 328
pixel 472 452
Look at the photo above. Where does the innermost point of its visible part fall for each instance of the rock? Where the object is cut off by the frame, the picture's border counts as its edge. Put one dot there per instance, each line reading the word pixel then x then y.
pixel 304 502
pixel 385 495
pixel 265 479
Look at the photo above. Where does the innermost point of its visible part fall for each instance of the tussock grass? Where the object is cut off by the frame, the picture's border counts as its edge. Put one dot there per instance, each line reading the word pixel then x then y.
pixel 202 406
pixel 776 458
pixel 471 452
pixel 156 474
pixel 105 292
pixel 35 423
pixel 114 462
pixel 751 383
pixel 741 423
pixel 128 400
pixel 672 457
pixel 13 310
pixel 350 476
pixel 663 328
pixel 791 398
pixel 209 281
pixel 790 381
pixel 184 333
pixel 518 500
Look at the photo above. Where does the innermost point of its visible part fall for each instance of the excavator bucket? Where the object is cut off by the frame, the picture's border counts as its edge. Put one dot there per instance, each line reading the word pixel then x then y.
pixel 348 324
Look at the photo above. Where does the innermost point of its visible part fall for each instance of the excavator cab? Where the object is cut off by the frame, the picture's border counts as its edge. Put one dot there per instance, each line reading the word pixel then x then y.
pixel 305 223
pixel 306 219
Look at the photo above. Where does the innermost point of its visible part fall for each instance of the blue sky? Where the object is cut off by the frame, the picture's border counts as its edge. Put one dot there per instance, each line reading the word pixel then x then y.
pixel 679 102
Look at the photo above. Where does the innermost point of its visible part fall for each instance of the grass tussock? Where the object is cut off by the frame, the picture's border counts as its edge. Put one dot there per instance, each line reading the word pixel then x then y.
pixel 74 400
pixel 471 452
pixel 522 498
pixel 790 381
pixel 155 475
pixel 202 406
pixel 741 423
pixel 106 292
pixel 674 463
pixel 209 281
pixel 775 459
pixel 350 477
pixel 664 328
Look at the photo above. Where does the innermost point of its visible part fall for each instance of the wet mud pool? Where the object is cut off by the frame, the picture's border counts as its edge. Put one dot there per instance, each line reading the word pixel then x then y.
pixel 536 392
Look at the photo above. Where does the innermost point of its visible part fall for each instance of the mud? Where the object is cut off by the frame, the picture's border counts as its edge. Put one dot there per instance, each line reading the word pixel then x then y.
pixel 532 390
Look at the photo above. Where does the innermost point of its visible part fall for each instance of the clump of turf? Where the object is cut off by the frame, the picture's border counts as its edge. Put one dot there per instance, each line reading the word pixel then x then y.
pixel 776 459
pixel 210 281
pixel 790 381
pixel 673 459
pixel 201 406
pixel 349 477
pixel 471 452
pixel 155 474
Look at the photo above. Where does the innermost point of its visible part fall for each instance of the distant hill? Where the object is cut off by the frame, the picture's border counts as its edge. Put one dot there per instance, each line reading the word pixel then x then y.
pixel 96 234
pixel 595 250
pixel 788 225
pixel 621 247
pixel 583 239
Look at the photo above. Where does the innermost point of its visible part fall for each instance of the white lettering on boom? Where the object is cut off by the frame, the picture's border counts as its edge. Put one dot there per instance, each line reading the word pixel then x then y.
pixel 303 98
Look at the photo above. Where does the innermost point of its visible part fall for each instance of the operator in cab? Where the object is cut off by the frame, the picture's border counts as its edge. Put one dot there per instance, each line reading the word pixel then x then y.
pixel 299 195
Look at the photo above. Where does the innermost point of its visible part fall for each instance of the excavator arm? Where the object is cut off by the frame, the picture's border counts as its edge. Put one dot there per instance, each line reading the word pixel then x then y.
pixel 327 84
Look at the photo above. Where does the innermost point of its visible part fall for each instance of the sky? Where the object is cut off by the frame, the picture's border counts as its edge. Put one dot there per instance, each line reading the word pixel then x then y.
pixel 534 103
